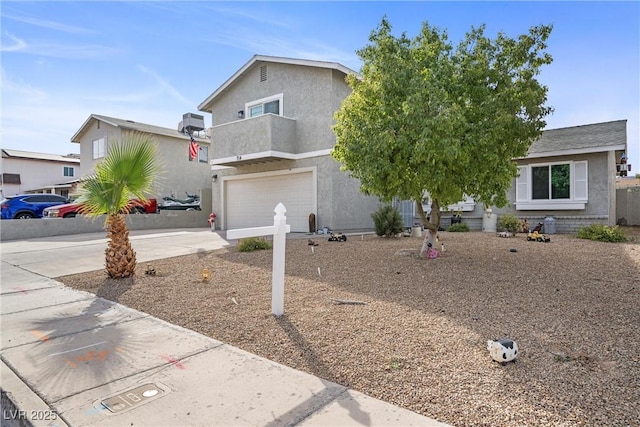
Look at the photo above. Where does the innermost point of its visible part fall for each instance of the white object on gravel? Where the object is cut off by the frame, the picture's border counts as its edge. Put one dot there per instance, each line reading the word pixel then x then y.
pixel 502 350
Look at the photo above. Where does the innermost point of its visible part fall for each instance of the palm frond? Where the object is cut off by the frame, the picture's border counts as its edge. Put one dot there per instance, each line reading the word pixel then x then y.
pixel 128 171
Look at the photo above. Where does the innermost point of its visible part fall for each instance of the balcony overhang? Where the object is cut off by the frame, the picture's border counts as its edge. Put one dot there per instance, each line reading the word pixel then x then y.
pixel 252 158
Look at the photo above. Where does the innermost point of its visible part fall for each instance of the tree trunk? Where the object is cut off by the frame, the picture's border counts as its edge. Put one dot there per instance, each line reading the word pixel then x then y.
pixel 120 259
pixel 432 224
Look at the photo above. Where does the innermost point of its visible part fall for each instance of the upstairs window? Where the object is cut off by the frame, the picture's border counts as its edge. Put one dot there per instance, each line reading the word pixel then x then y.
pixel 203 154
pixel 11 178
pixel 270 105
pixel 68 171
pixel 552 186
pixel 98 148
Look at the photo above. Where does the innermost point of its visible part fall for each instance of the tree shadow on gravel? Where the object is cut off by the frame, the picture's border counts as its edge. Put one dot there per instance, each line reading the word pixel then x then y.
pixel 113 289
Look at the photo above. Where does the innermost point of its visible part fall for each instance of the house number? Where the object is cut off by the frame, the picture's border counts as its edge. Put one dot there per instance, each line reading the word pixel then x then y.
pixel 238 157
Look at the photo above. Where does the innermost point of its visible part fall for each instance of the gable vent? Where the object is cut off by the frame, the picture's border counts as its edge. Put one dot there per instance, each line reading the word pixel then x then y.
pixel 263 73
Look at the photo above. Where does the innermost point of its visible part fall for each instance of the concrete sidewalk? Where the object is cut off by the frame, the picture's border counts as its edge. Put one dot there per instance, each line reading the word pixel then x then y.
pixel 69 358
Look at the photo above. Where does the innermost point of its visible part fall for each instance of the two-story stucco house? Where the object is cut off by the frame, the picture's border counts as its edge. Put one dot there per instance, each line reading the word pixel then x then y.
pixel 29 172
pixel 271 139
pixel 181 174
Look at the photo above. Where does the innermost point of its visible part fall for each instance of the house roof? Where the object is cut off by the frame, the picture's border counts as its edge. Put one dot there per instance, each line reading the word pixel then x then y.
pixel 592 138
pixel 627 182
pixel 131 125
pixel 258 59
pixel 6 152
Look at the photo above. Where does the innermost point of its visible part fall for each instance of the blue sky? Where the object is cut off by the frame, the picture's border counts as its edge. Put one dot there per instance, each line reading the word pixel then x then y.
pixel 151 62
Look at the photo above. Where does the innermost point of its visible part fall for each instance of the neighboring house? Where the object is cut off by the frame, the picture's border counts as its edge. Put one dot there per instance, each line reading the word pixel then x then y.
pixel 568 176
pixel 271 141
pixel 29 172
pixel 181 175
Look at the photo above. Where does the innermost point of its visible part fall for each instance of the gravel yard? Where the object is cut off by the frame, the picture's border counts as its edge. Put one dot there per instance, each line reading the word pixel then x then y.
pixel 419 341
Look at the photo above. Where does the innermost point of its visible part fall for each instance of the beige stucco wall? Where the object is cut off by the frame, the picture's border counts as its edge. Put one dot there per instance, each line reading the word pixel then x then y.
pixel 310 96
pixel 179 175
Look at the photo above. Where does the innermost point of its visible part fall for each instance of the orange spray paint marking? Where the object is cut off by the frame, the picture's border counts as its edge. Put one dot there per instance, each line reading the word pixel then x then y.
pixel 70 363
pixel 173 361
pixel 40 335
pixel 92 355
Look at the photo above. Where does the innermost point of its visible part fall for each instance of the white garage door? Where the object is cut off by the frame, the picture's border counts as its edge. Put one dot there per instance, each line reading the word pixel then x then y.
pixel 250 202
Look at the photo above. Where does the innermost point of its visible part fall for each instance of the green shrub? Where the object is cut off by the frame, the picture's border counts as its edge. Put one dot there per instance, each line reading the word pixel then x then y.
pixel 387 221
pixel 602 233
pixel 461 226
pixel 509 222
pixel 253 244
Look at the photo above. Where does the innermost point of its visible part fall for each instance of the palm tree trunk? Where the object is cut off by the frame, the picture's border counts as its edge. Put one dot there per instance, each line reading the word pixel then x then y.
pixel 120 259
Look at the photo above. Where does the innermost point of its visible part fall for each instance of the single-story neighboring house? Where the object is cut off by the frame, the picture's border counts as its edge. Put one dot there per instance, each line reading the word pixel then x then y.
pixel 568 178
pixel 30 172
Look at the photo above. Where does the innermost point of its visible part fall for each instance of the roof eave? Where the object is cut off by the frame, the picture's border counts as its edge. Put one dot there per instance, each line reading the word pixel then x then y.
pixel 206 104
pixel 76 137
pixel 588 150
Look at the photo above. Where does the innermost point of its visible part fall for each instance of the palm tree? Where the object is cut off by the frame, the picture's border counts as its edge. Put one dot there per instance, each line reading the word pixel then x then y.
pixel 128 171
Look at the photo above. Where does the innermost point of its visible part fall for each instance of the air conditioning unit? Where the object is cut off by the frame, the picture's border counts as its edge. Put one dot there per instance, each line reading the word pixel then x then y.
pixel 193 122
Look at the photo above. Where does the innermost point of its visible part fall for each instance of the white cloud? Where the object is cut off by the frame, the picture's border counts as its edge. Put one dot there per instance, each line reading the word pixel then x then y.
pixel 16 45
pixel 52 25
pixel 165 86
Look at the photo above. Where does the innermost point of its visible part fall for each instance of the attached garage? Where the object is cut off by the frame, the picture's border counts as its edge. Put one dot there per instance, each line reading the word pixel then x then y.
pixel 250 199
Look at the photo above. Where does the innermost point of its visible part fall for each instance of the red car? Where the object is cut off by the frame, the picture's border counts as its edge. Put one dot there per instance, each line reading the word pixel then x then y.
pixel 70 210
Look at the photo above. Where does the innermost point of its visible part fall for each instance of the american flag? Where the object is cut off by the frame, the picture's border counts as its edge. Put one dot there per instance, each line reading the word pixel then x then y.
pixel 193 150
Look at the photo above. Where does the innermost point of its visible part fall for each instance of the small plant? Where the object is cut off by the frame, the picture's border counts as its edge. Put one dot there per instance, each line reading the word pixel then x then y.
pixel 387 221
pixel 509 222
pixel 602 233
pixel 459 227
pixel 253 244
pixel 395 363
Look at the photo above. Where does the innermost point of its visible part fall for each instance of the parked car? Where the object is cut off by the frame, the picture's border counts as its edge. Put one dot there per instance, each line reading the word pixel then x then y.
pixel 70 210
pixel 26 206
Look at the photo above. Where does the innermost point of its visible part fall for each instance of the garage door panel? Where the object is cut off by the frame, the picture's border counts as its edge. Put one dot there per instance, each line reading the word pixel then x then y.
pixel 250 202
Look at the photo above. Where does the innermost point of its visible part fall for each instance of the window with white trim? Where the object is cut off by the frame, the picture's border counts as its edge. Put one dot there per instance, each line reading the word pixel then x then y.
pixel 67 171
pixel 203 154
pixel 560 185
pixel 269 105
pixel 98 148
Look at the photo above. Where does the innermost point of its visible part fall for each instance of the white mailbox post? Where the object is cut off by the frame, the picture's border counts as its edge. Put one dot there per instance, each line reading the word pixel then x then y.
pixel 279 232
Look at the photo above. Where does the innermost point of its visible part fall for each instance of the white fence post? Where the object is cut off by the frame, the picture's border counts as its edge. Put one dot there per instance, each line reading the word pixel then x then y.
pixel 279 239
pixel 279 232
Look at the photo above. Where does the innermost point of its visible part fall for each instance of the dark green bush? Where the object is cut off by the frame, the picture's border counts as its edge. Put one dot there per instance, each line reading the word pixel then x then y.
pixel 253 244
pixel 509 222
pixel 461 226
pixel 387 221
pixel 602 233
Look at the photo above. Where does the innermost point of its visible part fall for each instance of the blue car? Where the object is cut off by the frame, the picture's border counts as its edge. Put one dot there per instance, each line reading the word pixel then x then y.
pixel 27 206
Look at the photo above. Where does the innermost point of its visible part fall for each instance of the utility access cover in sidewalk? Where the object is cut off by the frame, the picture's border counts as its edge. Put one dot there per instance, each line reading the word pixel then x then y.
pixel 138 396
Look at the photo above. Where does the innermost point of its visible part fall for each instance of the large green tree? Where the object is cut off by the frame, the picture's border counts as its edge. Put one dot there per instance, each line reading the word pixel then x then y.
pixel 425 117
pixel 128 172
